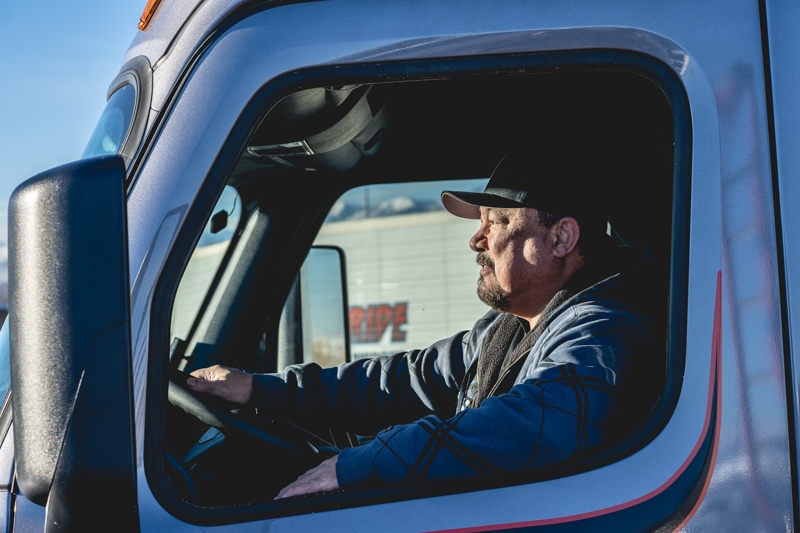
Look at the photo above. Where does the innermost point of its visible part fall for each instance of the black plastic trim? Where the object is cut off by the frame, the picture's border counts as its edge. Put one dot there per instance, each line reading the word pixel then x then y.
pixel 581 60
pixel 780 260
pixel 71 338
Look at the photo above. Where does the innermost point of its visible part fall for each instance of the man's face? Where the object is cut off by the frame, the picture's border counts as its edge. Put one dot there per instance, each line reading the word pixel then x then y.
pixel 517 263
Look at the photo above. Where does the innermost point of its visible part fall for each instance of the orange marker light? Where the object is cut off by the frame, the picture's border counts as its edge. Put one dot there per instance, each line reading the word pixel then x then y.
pixel 147 14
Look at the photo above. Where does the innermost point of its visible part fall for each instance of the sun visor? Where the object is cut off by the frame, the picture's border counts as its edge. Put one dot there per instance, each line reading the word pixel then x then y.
pixel 323 127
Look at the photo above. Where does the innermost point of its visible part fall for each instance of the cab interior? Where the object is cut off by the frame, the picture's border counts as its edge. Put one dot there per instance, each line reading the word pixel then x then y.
pixel 316 143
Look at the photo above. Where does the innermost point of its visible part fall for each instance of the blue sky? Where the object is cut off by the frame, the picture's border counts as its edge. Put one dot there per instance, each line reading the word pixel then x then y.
pixel 58 59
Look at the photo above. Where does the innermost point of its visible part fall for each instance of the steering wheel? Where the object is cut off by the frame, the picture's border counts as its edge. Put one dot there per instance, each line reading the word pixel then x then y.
pixel 282 435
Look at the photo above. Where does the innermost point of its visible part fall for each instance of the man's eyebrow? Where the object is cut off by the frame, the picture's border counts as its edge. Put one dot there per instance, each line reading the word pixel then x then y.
pixel 498 211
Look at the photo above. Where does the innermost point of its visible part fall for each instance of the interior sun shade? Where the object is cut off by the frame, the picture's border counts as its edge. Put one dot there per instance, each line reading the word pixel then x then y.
pixel 325 127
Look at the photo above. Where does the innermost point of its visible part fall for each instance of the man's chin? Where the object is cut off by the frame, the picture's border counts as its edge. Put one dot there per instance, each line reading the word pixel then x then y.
pixel 493 297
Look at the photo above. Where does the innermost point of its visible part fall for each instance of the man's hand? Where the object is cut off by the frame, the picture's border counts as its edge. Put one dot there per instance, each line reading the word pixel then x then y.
pixel 226 383
pixel 319 479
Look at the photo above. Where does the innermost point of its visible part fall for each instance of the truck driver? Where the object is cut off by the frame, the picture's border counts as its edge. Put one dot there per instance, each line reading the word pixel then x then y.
pixel 565 362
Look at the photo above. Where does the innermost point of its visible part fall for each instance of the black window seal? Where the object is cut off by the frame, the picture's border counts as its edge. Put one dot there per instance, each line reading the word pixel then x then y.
pixel 579 60
pixel 786 343
pixel 136 72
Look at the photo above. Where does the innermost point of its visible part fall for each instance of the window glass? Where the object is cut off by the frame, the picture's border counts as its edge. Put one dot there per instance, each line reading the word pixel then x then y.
pixel 411 276
pixel 112 129
pixel 205 262
pixel 5 363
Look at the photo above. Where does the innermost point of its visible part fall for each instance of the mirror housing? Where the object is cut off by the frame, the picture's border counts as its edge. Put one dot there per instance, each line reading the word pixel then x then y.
pixel 70 352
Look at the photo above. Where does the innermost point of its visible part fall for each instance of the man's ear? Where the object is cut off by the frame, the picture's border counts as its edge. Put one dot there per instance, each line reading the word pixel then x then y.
pixel 565 234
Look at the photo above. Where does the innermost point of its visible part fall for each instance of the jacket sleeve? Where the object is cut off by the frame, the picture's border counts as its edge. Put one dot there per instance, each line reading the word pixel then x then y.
pixel 367 395
pixel 565 404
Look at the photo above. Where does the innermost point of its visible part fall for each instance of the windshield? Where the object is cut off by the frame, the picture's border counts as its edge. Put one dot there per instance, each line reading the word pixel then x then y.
pixel 112 129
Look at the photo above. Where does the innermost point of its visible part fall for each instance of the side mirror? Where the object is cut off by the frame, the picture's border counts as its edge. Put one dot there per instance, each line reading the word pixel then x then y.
pixel 70 351
pixel 314 325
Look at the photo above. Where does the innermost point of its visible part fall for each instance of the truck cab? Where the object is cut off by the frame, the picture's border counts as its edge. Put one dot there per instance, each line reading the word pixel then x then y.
pixel 262 190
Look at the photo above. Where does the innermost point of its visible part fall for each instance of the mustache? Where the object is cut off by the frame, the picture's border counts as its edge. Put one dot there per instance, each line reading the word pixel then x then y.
pixel 485 260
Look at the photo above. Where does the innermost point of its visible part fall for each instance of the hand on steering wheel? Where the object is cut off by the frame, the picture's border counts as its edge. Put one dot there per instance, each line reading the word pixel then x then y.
pixel 282 434
pixel 227 383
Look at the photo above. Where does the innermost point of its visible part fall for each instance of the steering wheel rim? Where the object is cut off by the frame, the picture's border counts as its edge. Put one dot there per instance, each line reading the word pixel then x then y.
pixel 204 409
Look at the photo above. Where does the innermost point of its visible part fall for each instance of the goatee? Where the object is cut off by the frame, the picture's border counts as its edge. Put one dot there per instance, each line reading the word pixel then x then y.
pixel 491 295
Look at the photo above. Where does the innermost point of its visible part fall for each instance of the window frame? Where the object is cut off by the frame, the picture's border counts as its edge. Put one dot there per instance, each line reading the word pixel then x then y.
pixel 495 65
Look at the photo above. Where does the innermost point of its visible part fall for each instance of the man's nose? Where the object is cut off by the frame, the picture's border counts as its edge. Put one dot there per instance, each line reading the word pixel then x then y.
pixel 478 241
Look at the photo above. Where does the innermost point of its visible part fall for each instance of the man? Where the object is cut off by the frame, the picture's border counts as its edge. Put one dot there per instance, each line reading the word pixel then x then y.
pixel 566 361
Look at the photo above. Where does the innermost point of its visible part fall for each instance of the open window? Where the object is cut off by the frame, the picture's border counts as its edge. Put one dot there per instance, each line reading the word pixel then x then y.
pixel 409 275
pixel 341 232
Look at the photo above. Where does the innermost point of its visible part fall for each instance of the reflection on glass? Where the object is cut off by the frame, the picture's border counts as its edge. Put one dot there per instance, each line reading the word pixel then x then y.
pixel 112 128
pixel 386 200
pixel 5 363
pixel 322 297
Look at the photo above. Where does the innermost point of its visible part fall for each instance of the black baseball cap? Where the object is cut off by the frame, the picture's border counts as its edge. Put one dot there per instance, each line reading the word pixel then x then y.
pixel 560 180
